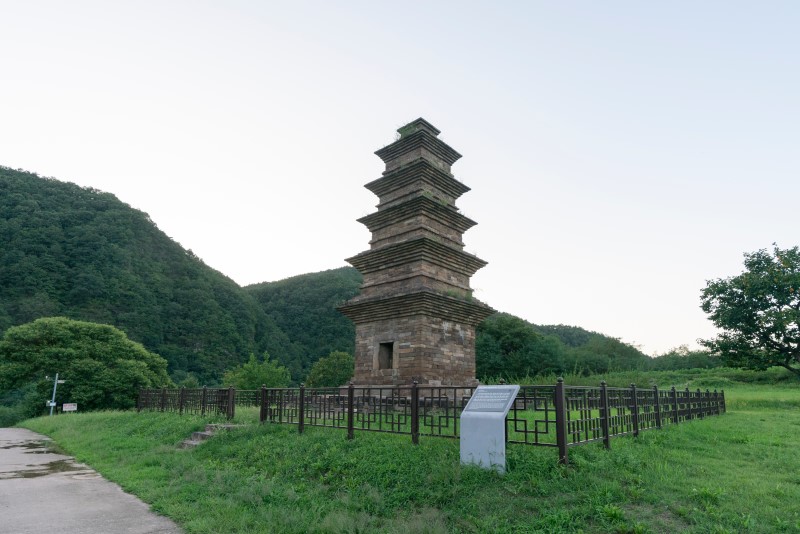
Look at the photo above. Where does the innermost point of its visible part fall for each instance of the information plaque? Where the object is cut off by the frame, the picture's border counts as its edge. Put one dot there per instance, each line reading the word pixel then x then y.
pixel 492 399
pixel 483 426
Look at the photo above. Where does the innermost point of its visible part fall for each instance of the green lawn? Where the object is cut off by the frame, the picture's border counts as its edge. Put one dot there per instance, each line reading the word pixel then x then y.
pixel 736 473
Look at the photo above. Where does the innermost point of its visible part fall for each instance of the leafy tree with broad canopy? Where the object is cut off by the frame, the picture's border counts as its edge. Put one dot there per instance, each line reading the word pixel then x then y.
pixel 253 374
pixel 335 369
pixel 758 312
pixel 102 368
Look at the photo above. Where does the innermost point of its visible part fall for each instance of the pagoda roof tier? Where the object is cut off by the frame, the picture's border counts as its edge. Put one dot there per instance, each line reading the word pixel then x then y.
pixel 426 303
pixel 422 139
pixel 420 205
pixel 417 170
pixel 421 249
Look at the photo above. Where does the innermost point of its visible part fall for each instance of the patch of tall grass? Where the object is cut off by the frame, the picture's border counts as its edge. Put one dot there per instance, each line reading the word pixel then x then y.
pixel 734 473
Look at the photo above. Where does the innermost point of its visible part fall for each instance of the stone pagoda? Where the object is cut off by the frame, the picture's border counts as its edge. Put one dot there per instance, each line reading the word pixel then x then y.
pixel 415 316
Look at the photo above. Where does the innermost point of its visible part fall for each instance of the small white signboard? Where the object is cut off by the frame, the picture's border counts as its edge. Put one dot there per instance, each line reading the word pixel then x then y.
pixel 483 426
pixel 70 407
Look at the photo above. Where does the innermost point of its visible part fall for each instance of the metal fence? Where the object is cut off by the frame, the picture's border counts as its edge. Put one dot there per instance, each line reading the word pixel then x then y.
pixel 197 401
pixel 557 415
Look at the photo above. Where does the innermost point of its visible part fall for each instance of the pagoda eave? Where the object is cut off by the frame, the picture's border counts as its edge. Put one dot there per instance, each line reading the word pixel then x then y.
pixel 425 303
pixel 420 205
pixel 421 139
pixel 417 170
pixel 422 249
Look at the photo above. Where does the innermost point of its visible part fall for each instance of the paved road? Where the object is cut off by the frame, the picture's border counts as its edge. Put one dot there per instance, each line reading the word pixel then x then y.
pixel 43 492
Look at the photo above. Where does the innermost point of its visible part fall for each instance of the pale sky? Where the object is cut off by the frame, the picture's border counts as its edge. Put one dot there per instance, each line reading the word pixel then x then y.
pixel 620 154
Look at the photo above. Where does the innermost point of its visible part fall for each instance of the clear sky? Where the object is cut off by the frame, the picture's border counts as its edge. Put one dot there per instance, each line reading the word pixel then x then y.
pixel 620 154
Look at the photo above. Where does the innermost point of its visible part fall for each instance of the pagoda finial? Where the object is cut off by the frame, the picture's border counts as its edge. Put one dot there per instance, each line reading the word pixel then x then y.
pixel 418 139
pixel 417 125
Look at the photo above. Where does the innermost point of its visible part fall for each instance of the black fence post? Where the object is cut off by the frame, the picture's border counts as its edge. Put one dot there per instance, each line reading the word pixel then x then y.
pixel 724 407
pixel 139 401
pixel 690 410
pixel 414 413
pixel 231 402
pixel 657 402
pixel 716 402
pixel 203 400
pixel 561 422
pixel 699 403
pixel 301 408
pixel 350 414
pixel 181 400
pixel 604 414
pixel 262 412
pixel 634 411
pixel 163 399
pixel 675 410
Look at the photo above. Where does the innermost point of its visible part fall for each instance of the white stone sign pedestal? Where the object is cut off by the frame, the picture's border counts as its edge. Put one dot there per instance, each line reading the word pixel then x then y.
pixel 483 426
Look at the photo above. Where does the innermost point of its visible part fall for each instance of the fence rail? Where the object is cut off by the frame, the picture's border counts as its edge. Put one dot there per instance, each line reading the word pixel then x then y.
pixel 197 401
pixel 545 415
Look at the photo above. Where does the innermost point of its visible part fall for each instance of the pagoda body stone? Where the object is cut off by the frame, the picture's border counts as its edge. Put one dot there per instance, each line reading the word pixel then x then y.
pixel 415 316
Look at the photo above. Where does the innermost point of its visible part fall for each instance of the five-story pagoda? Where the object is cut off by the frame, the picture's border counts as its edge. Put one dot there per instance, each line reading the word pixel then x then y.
pixel 415 316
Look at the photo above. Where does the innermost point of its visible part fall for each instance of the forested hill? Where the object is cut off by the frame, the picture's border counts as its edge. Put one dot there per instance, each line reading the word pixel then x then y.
pixel 77 252
pixel 304 307
pixel 82 253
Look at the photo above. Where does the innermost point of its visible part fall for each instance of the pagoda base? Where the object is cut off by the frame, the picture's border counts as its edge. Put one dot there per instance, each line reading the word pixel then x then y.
pixel 431 350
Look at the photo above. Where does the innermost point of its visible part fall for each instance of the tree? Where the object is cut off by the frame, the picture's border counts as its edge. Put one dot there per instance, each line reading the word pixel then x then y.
pixel 253 374
pixel 683 357
pixel 102 368
pixel 510 347
pixel 77 252
pixel 758 312
pixel 335 369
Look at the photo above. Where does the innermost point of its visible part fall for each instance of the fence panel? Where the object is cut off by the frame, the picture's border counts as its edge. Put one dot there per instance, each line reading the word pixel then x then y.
pixel 583 410
pixel 195 401
pixel 440 409
pixel 532 418
pixel 248 397
pixel 548 416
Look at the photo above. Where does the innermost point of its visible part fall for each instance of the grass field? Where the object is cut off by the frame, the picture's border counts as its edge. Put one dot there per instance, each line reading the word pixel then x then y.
pixel 736 473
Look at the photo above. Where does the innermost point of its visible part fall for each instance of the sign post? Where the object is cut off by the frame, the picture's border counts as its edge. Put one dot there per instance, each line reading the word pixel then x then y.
pixel 56 382
pixel 483 426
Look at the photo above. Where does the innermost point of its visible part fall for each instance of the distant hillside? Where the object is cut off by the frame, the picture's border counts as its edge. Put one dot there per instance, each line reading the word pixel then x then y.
pixel 82 253
pixel 304 307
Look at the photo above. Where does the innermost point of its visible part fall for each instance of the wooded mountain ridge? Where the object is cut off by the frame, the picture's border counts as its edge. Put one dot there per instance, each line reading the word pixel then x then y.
pixel 77 252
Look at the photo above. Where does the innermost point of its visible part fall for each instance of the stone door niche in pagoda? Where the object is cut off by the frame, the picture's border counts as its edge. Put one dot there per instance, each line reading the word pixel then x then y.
pixel 415 317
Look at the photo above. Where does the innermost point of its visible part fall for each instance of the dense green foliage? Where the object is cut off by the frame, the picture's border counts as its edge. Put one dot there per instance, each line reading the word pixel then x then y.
pixel 304 307
pixel 77 252
pixel 712 475
pixel 758 312
pixel 509 347
pixel 335 369
pixel 254 374
pixel 684 358
pixel 81 253
pixel 101 367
